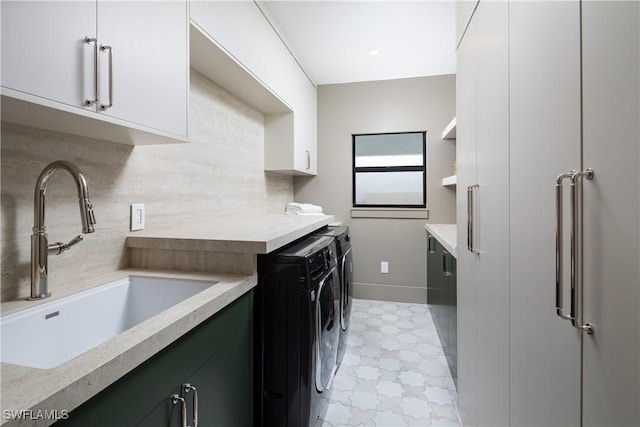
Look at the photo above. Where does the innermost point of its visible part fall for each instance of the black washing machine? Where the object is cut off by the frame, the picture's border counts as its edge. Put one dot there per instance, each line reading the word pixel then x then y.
pixel 297 332
pixel 345 267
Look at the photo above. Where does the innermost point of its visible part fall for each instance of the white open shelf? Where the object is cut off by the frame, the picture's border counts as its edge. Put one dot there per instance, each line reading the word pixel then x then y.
pixel 450 131
pixel 450 180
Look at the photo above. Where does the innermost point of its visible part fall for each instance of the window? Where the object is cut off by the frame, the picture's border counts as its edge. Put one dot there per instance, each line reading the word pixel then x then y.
pixel 389 170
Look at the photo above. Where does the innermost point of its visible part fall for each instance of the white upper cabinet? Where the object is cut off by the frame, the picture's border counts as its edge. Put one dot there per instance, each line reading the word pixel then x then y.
pixel 150 69
pixel 99 69
pixel 44 52
pixel 240 36
pixel 243 31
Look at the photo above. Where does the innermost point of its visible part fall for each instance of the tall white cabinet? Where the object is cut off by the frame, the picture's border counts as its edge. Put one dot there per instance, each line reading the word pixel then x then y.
pixel 482 197
pixel 571 75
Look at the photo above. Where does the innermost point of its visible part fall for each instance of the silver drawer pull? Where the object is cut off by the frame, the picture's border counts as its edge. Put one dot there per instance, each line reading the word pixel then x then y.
pixel 108 48
pixel 94 42
pixel 175 399
pixel 187 388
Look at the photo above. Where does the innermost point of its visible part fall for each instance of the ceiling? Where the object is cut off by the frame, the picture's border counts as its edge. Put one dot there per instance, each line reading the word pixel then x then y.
pixel 332 39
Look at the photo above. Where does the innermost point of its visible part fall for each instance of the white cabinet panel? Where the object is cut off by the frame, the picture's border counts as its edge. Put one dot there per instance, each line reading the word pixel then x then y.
pixel 544 142
pixel 49 70
pixel 492 201
pixel 44 52
pixel 150 62
pixel 464 11
pixel 611 378
pixel 241 28
pixel 483 162
pixel 467 288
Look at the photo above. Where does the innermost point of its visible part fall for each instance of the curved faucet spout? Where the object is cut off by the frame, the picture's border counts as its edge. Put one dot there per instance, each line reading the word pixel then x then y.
pixel 40 247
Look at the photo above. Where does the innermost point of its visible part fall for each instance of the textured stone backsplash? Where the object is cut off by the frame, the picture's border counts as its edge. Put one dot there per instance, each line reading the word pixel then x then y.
pixel 219 173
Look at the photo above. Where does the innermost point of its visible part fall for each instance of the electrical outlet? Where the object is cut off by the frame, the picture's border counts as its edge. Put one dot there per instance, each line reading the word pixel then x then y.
pixel 384 267
pixel 137 216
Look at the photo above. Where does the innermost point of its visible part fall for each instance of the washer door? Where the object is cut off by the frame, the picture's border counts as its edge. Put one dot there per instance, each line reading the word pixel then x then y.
pixel 346 289
pixel 327 330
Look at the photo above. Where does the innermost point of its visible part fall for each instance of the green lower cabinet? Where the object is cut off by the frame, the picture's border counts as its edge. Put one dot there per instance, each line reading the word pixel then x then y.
pixel 442 298
pixel 215 357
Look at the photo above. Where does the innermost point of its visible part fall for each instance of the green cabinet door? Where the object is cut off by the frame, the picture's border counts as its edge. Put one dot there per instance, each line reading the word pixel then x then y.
pixel 436 287
pixel 216 357
pixel 442 298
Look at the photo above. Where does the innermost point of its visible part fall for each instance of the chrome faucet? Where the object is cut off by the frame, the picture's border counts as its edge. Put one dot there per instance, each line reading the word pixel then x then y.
pixel 40 247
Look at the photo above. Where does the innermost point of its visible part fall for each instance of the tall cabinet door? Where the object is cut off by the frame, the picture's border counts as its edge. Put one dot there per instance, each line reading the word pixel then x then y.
pixel 44 52
pixel 544 61
pixel 149 78
pixel 467 292
pixel 492 218
pixel 611 377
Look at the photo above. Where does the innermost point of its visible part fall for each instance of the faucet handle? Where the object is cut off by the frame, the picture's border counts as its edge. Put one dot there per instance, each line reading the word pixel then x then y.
pixel 58 247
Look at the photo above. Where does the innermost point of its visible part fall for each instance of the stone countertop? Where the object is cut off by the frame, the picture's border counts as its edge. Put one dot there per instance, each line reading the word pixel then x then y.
pixel 235 235
pixel 446 234
pixel 77 380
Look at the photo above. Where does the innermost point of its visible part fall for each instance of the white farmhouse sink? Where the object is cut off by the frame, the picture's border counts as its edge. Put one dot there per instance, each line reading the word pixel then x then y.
pixel 50 334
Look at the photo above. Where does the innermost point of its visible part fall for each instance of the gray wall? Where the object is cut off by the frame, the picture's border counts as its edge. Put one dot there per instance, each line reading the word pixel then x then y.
pixel 220 172
pixel 425 103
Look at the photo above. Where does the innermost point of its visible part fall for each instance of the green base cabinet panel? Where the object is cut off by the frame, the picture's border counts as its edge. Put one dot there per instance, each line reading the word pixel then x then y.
pixel 441 297
pixel 216 358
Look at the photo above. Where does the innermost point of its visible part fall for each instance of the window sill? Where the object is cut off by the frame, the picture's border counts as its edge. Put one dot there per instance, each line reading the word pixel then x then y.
pixel 398 213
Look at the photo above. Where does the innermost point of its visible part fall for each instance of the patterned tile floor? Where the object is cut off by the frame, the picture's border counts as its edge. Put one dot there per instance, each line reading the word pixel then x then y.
pixel 394 372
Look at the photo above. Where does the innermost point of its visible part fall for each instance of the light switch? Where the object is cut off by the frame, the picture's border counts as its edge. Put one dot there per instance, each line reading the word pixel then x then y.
pixel 137 216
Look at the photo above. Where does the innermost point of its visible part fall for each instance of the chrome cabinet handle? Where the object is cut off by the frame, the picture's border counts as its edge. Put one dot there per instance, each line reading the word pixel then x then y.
pixel 108 48
pixel 471 244
pixel 444 263
pixel 187 388
pixel 559 244
pixel 94 42
pixel 576 254
pixel 308 159
pixel 469 203
pixel 175 399
pixel 430 243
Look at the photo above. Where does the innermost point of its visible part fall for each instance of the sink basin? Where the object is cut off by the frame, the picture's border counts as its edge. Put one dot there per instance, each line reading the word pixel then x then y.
pixel 50 334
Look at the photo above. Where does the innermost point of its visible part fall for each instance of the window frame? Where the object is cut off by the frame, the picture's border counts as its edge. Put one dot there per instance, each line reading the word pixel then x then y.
pixel 368 169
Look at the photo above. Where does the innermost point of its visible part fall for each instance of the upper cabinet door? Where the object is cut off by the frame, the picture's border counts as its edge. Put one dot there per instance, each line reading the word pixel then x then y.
pixel 305 124
pixel 148 81
pixel 44 52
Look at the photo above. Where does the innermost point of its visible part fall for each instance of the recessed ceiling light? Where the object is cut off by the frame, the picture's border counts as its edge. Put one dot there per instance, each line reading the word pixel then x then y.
pixel 374 52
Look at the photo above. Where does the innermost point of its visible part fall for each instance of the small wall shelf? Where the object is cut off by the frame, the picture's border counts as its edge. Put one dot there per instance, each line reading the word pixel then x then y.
pixel 450 131
pixel 450 181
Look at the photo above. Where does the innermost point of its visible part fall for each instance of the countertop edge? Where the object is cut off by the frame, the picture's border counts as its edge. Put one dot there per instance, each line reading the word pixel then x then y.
pixel 226 240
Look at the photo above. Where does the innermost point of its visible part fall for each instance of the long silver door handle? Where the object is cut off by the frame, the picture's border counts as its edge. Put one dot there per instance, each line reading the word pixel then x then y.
pixel 472 223
pixel 559 244
pixel 576 243
pixel 175 399
pixel 430 244
pixel 308 159
pixel 187 388
pixel 469 212
pixel 94 42
pixel 108 48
